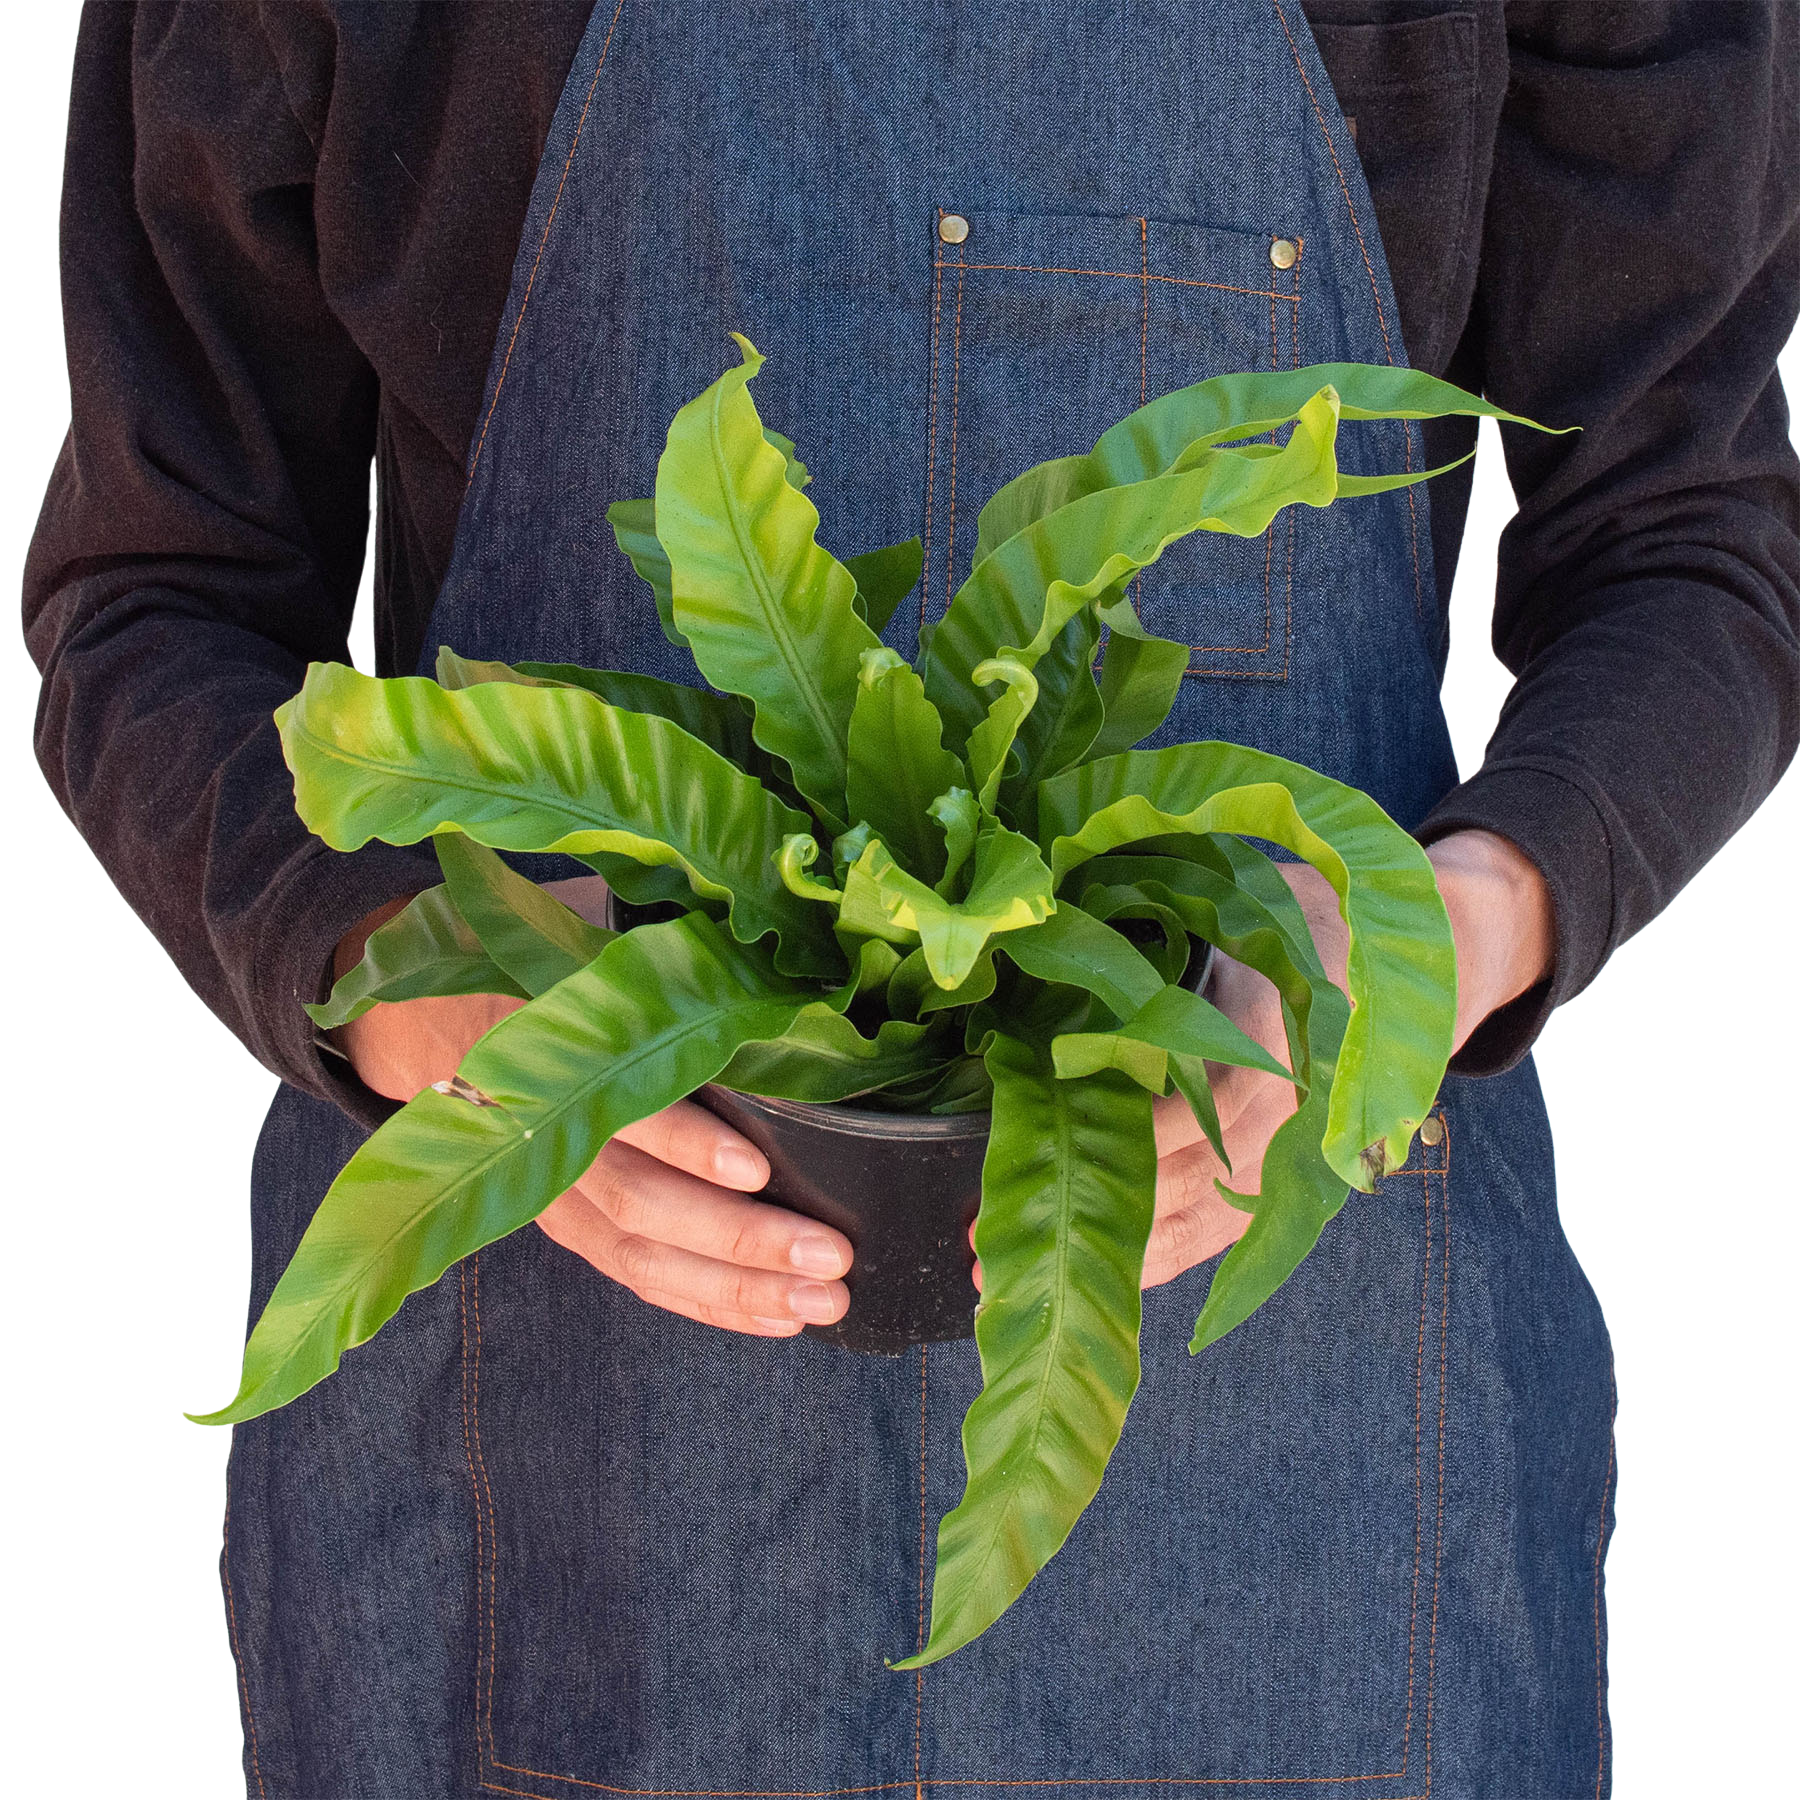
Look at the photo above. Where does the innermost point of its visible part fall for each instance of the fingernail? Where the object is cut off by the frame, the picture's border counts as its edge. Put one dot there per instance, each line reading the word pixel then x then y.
pixel 816 1254
pixel 738 1167
pixel 818 1305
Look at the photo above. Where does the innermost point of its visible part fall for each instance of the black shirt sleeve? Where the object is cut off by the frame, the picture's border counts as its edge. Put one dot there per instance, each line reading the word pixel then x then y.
pixel 1639 275
pixel 203 534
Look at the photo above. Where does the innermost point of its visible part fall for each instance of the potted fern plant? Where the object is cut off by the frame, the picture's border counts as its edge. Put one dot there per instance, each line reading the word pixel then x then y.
pixel 951 893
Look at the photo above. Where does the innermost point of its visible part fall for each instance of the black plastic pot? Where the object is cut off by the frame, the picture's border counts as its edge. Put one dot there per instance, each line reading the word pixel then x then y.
pixel 902 1187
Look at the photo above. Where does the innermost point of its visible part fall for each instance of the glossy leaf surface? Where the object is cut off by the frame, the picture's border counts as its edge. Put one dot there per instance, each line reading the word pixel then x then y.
pixel 532 936
pixel 1153 439
pixel 884 578
pixel 425 950
pixel 1017 601
pixel 1068 1189
pixel 1009 891
pixel 659 1012
pixel 1402 968
pixel 768 613
pixel 720 721
pixel 545 769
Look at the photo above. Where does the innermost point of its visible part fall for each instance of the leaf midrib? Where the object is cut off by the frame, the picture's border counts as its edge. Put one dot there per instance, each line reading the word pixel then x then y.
pixel 524 1134
pixel 409 772
pixel 774 614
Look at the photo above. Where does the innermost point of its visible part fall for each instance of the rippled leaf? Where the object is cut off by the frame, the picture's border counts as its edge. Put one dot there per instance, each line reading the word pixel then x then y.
pixel 1402 970
pixel 545 769
pixel 423 952
pixel 768 612
pixel 1068 1190
pixel 659 1012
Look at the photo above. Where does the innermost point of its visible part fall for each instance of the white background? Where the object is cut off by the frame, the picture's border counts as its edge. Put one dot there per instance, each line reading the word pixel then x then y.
pixel 132 1112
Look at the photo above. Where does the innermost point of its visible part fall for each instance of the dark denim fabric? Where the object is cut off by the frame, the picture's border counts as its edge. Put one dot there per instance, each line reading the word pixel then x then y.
pixel 539 1539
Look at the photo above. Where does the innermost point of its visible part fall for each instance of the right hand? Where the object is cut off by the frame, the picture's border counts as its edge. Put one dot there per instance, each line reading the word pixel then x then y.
pixel 663 1209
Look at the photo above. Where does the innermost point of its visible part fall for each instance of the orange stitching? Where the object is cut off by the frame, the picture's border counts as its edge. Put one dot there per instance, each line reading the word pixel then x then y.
pixel 919 1674
pixel 1147 1781
pixel 1119 275
pixel 931 392
pixel 1343 184
pixel 531 280
pixel 1144 335
pixel 237 1655
pixel 1412 1630
pixel 462 1306
pixel 493 1542
pixel 1261 649
pixel 884 1787
pixel 1437 1564
pixel 955 402
pixel 1612 1446
pixel 1137 587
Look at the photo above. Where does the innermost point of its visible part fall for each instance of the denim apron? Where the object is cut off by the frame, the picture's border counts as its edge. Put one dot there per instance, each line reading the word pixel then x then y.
pixel 539 1539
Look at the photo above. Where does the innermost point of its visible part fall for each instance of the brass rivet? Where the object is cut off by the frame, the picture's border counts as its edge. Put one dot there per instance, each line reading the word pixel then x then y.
pixel 1284 253
pixel 1431 1131
pixel 953 228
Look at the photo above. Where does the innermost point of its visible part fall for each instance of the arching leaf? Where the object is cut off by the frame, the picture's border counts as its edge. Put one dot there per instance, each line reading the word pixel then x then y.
pixel 1067 1193
pixel 546 769
pixel 659 1012
pixel 1152 440
pixel 1402 971
pixel 1017 601
pixel 423 952
pixel 767 612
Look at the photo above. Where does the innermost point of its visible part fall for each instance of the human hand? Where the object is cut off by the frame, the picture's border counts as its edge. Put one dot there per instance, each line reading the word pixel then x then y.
pixel 1500 916
pixel 663 1209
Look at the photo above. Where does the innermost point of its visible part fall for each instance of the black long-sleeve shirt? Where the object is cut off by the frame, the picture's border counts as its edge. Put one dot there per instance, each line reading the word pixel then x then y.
pixel 287 236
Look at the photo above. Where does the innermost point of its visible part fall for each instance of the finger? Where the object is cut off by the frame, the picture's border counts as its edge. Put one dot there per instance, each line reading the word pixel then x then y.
pixel 686 1136
pixel 1188 1235
pixel 647 1267
pixel 648 1198
pixel 747 1323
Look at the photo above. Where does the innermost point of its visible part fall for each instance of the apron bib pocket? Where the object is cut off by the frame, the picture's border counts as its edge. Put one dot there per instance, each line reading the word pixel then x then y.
pixel 1045 328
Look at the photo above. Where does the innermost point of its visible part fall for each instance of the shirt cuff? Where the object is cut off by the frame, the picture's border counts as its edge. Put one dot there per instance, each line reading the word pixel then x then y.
pixel 325 894
pixel 1548 810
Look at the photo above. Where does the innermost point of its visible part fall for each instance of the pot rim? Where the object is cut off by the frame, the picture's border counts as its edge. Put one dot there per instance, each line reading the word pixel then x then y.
pixel 857 1121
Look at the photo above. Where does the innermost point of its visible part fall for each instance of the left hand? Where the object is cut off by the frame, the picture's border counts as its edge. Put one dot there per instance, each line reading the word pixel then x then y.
pixel 1500 916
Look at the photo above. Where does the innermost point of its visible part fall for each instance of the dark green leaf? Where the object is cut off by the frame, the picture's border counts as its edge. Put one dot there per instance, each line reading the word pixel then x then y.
pixel 1402 971
pixel 422 952
pixel 1173 1021
pixel 633 525
pixel 535 938
pixel 1139 680
pixel 884 578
